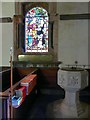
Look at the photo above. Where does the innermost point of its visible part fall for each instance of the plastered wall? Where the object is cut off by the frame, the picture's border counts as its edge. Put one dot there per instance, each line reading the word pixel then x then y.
pixel 72 39
pixel 0 35
pixel 73 34
pixel 8 10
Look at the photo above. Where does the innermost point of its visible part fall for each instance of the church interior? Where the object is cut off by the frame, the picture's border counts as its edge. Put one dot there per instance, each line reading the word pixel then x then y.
pixel 45 63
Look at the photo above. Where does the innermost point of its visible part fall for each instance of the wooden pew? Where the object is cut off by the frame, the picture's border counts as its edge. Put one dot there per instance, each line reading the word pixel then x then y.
pixel 18 74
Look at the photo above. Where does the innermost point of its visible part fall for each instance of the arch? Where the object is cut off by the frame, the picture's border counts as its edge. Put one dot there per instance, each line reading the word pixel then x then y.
pixel 36 30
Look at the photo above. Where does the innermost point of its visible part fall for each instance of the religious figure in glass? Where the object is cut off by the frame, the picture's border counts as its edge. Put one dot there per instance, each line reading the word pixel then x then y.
pixel 36 30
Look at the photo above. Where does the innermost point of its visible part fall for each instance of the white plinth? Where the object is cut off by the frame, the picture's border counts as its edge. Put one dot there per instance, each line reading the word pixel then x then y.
pixel 72 81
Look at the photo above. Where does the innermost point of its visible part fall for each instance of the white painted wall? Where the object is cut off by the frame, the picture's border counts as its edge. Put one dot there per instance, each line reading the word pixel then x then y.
pixel 8 10
pixel 0 35
pixel 0 59
pixel 73 34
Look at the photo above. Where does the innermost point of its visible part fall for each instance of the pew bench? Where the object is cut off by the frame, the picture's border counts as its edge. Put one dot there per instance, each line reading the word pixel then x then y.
pixel 18 76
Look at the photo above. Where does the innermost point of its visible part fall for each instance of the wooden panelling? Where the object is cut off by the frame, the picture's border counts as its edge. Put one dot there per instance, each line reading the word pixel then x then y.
pixel 6 20
pixel 18 74
pixel 6 78
pixel 89 77
pixel 74 16
pixel 25 71
pixel 22 111
pixel 4 68
pixel 47 77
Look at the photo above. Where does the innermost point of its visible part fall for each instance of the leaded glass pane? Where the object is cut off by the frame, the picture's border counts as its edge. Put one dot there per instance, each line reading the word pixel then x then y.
pixel 36 30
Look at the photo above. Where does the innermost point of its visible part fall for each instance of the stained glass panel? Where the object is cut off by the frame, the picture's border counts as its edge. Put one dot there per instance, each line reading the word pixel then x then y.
pixel 36 30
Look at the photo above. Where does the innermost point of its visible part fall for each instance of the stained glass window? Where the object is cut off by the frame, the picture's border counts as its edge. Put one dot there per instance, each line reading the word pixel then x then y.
pixel 36 30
